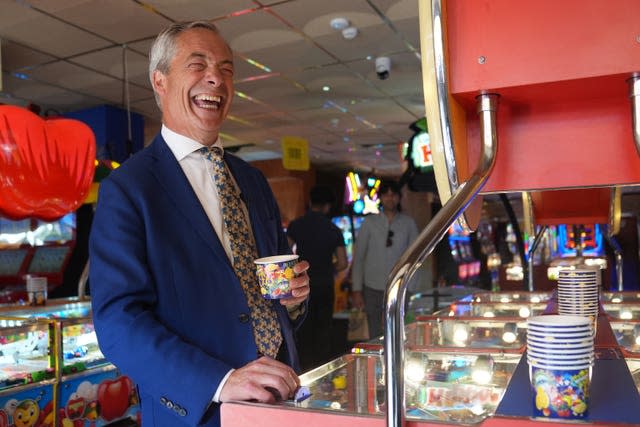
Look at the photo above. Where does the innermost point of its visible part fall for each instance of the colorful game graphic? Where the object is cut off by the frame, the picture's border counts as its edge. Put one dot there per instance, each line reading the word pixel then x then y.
pixel 28 409
pixel 98 400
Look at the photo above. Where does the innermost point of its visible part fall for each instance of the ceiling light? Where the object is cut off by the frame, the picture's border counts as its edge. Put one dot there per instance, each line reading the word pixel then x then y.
pixel 350 33
pixel 339 23
pixel 326 88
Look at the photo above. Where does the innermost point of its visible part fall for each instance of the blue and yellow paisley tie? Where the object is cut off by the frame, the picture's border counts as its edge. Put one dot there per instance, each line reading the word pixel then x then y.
pixel 266 329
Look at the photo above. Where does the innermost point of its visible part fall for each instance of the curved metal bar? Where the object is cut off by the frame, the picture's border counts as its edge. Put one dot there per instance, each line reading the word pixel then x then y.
pixel 442 88
pixel 534 246
pixel 634 94
pixel 82 282
pixel 413 258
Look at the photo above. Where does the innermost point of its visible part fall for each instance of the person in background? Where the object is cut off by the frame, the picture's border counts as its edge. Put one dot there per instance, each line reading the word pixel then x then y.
pixel 174 236
pixel 320 242
pixel 381 241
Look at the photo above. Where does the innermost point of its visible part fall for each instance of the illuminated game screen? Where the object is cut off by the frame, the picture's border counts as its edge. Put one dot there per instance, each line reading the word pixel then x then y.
pixel 349 233
pixel 591 238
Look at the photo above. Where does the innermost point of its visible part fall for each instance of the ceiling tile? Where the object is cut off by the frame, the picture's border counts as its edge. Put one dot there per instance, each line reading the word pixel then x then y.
pixel 15 56
pixel 314 17
pixel 18 21
pixel 112 90
pixel 255 30
pixel 65 74
pixel 187 10
pixel 117 21
pixel 110 61
pixel 404 76
pixel 371 41
pixel 28 90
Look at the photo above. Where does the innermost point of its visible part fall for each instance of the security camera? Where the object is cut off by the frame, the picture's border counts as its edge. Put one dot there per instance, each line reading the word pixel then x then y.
pixel 383 66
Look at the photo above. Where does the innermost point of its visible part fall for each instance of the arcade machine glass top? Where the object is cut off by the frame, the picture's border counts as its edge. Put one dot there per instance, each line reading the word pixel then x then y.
pixel 34 247
pixel 465 387
pixel 26 354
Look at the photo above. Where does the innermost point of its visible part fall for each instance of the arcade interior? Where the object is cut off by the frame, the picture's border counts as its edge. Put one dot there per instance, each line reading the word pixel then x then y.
pixel 518 152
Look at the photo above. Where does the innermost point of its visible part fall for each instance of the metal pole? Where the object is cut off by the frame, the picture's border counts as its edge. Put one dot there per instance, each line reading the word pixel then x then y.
pixel 412 259
pixel 82 282
pixel 617 250
pixel 634 94
pixel 534 246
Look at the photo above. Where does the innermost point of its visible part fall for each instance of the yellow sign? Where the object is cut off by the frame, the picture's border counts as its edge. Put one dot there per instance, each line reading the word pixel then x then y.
pixel 295 153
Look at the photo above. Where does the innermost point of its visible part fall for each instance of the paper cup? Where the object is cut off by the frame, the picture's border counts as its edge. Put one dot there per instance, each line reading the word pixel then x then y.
pixel 560 393
pixel 274 273
pixel 37 290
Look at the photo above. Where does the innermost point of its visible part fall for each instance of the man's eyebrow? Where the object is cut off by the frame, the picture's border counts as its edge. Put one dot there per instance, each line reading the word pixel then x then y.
pixel 204 57
pixel 197 55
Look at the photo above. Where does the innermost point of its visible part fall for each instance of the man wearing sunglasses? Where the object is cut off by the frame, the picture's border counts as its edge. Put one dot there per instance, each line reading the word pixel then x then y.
pixel 381 241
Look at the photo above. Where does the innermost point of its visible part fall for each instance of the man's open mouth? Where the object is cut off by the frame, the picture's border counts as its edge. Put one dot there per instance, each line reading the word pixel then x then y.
pixel 207 101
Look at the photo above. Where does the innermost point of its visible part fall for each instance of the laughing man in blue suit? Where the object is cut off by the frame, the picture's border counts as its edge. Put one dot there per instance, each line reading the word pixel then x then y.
pixel 168 307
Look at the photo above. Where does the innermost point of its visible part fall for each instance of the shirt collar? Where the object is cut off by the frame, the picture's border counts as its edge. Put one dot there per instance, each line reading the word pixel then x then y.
pixel 180 145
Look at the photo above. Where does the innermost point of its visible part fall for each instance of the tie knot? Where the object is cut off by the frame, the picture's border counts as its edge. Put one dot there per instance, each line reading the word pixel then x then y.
pixel 212 151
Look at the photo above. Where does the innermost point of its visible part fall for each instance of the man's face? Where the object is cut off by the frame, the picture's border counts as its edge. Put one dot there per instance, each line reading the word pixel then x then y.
pixel 389 201
pixel 196 92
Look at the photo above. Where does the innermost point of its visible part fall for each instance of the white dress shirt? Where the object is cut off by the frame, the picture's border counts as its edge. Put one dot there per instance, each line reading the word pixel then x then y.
pixel 199 173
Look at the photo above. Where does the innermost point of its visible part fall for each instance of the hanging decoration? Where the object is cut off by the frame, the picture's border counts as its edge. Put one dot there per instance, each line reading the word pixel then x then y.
pixel 46 166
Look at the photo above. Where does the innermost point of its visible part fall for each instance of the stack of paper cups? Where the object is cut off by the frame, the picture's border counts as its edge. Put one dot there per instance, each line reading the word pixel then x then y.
pixel 578 293
pixel 560 357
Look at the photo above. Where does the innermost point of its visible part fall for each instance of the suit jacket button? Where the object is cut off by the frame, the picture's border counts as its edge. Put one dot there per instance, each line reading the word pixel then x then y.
pixel 163 400
pixel 244 318
pixel 169 404
pixel 182 412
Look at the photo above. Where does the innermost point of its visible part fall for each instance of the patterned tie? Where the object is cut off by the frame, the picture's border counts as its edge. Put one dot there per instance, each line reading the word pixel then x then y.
pixel 266 329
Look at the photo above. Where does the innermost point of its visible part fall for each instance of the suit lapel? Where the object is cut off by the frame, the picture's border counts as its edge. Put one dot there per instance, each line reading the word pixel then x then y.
pixel 174 182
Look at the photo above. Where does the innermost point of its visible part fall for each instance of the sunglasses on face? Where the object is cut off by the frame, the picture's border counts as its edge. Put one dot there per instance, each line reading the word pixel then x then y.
pixel 389 236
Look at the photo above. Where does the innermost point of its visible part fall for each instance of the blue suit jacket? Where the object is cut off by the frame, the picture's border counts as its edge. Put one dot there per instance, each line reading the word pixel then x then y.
pixel 167 306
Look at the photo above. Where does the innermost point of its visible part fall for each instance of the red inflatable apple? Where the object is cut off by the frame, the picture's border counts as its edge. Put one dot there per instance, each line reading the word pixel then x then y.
pixel 113 397
pixel 46 166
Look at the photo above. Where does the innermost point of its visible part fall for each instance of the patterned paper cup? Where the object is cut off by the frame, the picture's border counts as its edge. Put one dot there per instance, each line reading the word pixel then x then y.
pixel 274 273
pixel 560 393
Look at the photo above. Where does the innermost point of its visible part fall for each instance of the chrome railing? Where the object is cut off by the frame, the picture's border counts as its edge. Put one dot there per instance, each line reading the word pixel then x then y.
pixel 413 258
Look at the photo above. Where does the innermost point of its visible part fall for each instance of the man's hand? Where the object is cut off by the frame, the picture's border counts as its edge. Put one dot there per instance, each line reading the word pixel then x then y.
pixel 299 285
pixel 357 300
pixel 265 380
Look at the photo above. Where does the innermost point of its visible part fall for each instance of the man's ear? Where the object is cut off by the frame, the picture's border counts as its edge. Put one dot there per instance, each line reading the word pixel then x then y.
pixel 159 82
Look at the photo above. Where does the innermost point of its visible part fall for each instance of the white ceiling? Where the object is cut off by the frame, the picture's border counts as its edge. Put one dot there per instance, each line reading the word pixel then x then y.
pixel 66 55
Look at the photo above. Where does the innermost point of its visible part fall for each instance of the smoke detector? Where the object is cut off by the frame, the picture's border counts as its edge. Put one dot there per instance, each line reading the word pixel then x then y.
pixel 339 23
pixel 350 33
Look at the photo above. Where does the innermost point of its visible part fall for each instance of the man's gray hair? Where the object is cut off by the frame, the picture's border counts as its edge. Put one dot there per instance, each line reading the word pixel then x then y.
pixel 163 48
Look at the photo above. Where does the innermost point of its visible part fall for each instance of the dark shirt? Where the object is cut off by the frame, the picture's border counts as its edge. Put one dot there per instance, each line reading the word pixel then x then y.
pixel 316 239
